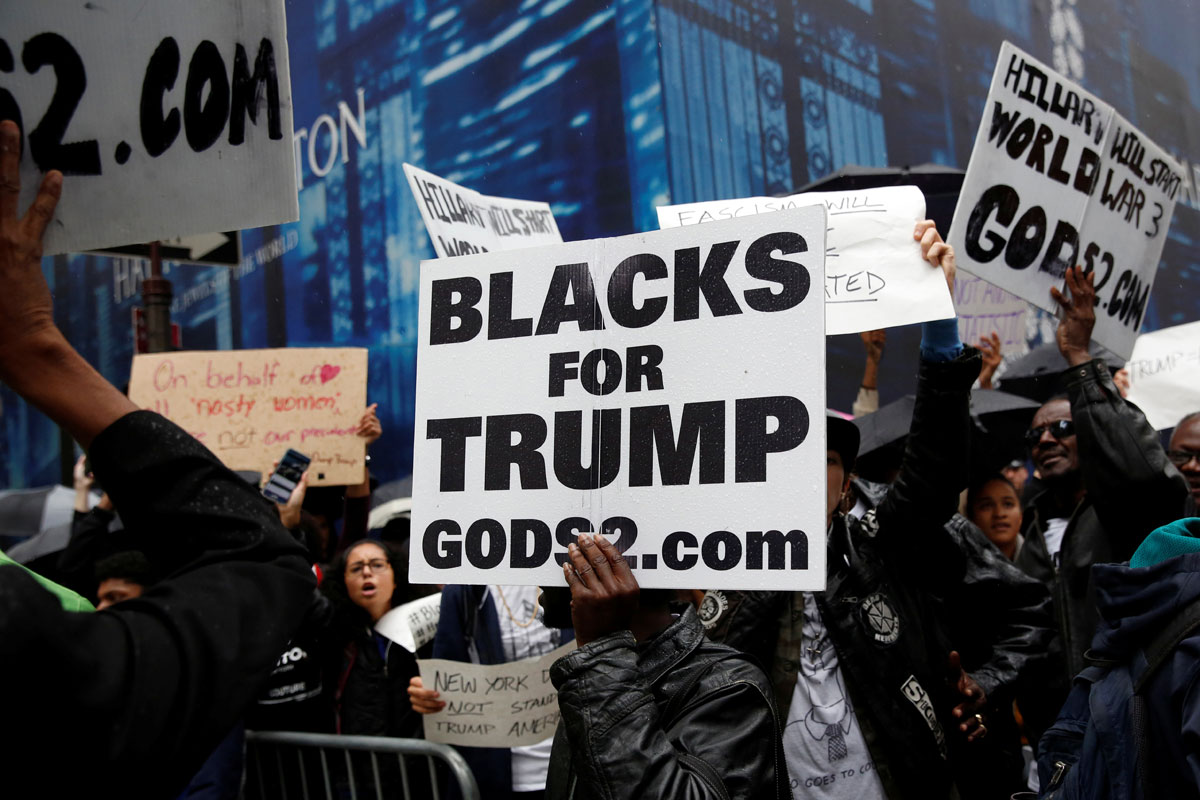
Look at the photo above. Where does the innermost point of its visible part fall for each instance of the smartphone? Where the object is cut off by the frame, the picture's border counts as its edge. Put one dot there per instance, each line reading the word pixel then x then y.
pixel 285 477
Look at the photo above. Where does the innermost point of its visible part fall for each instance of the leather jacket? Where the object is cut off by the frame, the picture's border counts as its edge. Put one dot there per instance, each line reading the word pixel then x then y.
pixel 1132 488
pixel 884 572
pixel 677 717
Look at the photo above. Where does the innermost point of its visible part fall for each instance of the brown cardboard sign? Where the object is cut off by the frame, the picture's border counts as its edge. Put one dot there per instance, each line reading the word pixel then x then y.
pixel 250 406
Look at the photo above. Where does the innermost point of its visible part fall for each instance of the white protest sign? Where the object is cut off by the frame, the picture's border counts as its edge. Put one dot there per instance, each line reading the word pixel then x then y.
pixel 497 705
pixel 414 624
pixel 461 221
pixel 166 119
pixel 984 309
pixel 1164 374
pixel 666 389
pixel 874 274
pixel 1058 178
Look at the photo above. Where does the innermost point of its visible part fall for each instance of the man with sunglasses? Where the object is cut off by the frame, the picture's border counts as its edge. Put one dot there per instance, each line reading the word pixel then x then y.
pixel 1108 481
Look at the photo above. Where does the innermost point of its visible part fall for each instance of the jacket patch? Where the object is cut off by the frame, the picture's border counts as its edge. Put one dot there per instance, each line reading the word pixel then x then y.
pixel 881 618
pixel 711 609
pixel 917 695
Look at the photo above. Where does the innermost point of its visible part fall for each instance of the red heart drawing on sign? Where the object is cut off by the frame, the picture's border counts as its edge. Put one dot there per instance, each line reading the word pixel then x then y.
pixel 329 372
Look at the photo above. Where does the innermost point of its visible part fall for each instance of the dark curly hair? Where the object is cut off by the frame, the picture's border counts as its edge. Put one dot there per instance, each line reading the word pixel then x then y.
pixel 334 584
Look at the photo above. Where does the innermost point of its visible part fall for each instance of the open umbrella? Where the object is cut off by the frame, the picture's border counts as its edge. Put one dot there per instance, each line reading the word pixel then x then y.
pixel 28 512
pixel 1036 375
pixel 939 184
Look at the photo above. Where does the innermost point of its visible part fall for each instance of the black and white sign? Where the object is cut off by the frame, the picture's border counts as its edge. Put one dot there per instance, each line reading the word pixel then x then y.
pixel 462 221
pixel 167 119
pixel 666 389
pixel 1058 178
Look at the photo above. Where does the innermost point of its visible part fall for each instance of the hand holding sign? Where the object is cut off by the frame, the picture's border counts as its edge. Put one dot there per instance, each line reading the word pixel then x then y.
pixel 936 251
pixel 604 593
pixel 424 701
pixel 1074 332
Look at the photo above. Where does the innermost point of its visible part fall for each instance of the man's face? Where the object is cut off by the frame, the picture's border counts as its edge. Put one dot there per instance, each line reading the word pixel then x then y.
pixel 1055 458
pixel 835 484
pixel 115 590
pixel 1186 440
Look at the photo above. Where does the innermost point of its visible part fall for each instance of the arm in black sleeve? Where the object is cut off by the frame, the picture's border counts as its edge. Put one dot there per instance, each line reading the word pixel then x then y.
pixel 143 691
pixel 1129 479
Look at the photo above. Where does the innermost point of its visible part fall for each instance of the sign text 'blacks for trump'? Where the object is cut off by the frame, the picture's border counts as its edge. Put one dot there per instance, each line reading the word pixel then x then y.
pixel 1057 178
pixel 666 389
pixel 166 119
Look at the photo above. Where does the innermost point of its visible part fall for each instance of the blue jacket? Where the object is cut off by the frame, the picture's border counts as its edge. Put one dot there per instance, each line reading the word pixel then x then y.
pixel 469 630
pixel 1094 732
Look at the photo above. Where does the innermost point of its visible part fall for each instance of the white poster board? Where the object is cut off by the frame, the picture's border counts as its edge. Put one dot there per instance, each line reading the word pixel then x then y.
pixel 984 309
pixel 414 624
pixel 874 274
pixel 1164 374
pixel 493 705
pixel 166 118
pixel 1058 178
pixel 666 388
pixel 462 221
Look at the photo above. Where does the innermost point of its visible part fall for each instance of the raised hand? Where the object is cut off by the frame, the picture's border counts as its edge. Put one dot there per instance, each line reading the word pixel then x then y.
pixel 936 251
pixel 990 347
pixel 1074 334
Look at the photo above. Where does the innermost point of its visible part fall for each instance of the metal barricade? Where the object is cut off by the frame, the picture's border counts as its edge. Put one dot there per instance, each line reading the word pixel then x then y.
pixel 285 764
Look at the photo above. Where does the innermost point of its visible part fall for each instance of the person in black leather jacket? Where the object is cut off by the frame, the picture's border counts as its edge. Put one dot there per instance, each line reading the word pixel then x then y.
pixel 878 610
pixel 651 708
pixel 133 698
pixel 1108 481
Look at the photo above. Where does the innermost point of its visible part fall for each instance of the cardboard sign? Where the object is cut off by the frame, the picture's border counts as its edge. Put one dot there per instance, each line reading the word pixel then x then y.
pixel 1058 178
pixel 498 705
pixel 414 624
pixel 874 274
pixel 166 118
pixel 250 406
pixel 461 221
pixel 666 389
pixel 1164 374
pixel 984 309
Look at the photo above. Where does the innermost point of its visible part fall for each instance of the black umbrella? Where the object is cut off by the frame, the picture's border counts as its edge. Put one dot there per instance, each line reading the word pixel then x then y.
pixel 939 184
pixel 1037 374
pixel 28 512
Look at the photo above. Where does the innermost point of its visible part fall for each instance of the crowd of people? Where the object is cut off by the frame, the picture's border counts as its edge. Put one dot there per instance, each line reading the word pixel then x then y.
pixel 1045 605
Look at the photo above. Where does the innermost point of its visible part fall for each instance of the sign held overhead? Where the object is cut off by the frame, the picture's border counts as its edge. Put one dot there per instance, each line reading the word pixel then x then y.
pixel 874 274
pixel 1058 178
pixel 1164 374
pixel 462 221
pixel 166 119
pixel 665 389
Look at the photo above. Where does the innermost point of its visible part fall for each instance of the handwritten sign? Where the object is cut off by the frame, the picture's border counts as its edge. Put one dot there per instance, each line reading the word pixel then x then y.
pixel 250 406
pixel 984 309
pixel 499 705
pixel 874 274
pixel 166 118
pixel 665 389
pixel 1164 374
pixel 414 624
pixel 462 221
pixel 1059 178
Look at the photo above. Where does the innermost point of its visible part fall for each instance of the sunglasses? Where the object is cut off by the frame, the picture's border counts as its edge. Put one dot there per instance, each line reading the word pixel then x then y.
pixel 1059 429
pixel 1181 457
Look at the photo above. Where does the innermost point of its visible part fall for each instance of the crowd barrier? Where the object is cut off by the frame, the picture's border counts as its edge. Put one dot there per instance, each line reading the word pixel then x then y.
pixel 284 764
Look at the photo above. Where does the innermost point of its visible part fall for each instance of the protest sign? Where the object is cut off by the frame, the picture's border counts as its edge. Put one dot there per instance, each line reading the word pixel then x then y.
pixel 1058 178
pixel 984 309
pixel 1164 374
pixel 461 221
pixel 250 406
pixel 412 625
pixel 166 118
pixel 495 705
pixel 874 274
pixel 666 389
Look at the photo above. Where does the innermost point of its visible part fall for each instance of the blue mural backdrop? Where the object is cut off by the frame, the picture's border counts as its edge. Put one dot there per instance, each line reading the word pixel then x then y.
pixel 605 110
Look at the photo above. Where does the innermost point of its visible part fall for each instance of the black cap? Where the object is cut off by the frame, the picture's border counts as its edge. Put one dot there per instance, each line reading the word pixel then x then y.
pixel 842 438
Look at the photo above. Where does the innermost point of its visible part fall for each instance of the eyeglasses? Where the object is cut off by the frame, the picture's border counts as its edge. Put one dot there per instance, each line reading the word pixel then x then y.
pixel 1059 429
pixel 1181 457
pixel 376 565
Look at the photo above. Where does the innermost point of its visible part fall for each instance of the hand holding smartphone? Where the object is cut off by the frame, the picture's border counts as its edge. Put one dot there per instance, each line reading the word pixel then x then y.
pixel 284 479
